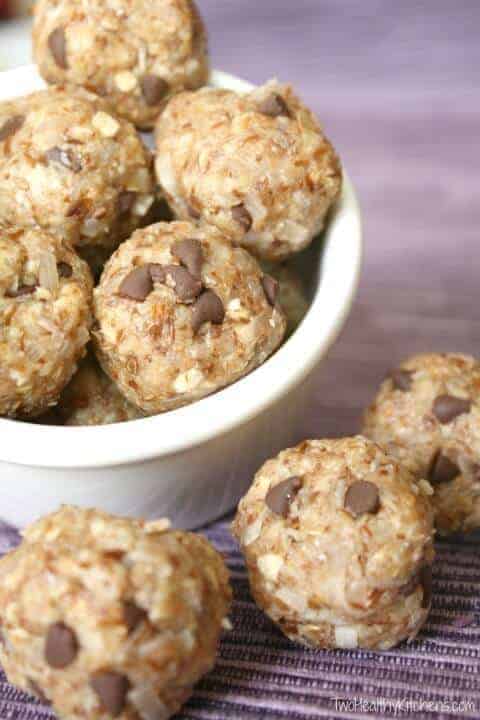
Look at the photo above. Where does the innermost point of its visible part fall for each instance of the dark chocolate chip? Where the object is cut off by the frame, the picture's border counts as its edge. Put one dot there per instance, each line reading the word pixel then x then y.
pixel 137 285
pixel 241 215
pixel 208 308
pixel 111 688
pixel 270 288
pixel 402 379
pixel 186 287
pixel 21 291
pixel 447 407
pixel 61 646
pixel 190 254
pixel 38 692
pixel 154 89
pixel 64 157
pixel 426 581
pixel 126 201
pixel 362 497
pixel 442 469
pixel 58 47
pixel 11 126
pixel 64 270
pixel 133 615
pixel 274 106
pixel 280 496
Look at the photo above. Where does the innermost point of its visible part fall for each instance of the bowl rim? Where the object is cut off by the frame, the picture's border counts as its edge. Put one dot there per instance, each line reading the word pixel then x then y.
pixel 178 430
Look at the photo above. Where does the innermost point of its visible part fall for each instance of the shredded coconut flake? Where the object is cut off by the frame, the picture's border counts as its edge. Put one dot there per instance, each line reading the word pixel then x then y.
pixel 270 566
pixel 48 273
pixel 346 637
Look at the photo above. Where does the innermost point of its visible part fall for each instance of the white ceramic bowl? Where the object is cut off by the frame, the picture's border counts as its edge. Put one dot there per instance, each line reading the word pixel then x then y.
pixel 191 464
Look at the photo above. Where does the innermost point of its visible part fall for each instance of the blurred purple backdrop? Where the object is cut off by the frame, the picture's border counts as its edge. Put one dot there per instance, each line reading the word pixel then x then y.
pixel 396 85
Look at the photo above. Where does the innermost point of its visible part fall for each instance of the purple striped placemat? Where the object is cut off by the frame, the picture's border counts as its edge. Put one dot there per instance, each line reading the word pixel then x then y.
pixel 261 674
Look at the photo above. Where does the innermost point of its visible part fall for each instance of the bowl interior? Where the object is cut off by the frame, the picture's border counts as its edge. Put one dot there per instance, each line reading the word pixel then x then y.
pixel 330 269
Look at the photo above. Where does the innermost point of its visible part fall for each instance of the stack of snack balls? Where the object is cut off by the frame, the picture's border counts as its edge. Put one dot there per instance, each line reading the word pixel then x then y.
pixel 131 285
pixel 167 269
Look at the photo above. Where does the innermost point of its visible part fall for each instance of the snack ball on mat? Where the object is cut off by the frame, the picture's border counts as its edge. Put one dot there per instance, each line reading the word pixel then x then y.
pixel 427 415
pixel 256 166
pixel 108 617
pixel 337 538
pixel 136 54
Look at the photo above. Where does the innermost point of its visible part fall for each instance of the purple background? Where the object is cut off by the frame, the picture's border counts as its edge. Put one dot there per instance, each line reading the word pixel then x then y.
pixel 396 84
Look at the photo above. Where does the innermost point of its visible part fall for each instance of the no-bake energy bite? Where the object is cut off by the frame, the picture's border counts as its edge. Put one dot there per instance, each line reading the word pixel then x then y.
pixel 69 166
pixel 256 166
pixel 45 318
pixel 181 313
pixel 337 538
pixel 427 414
pixel 135 53
pixel 106 617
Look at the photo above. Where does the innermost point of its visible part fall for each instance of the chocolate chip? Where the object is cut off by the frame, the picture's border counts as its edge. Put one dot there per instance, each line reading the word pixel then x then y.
pixel 402 379
pixel 186 287
pixel 448 407
pixel 61 646
pixel 362 497
pixel 426 581
pixel 270 288
pixel 190 254
pixel 280 496
pixel 133 615
pixel 64 270
pixel 154 89
pixel 64 157
pixel 111 688
pixel 21 291
pixel 11 126
pixel 208 308
pixel 58 47
pixel 274 106
pixel 137 285
pixel 241 215
pixel 126 201
pixel 442 469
